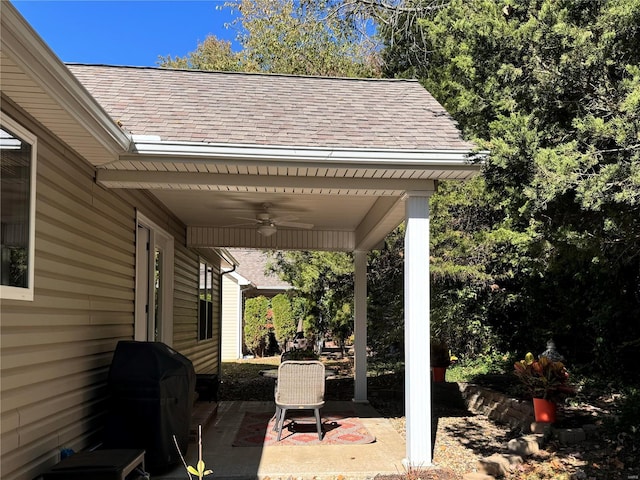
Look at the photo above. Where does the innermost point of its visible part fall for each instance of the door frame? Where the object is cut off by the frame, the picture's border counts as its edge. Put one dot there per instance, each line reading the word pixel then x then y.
pixel 144 281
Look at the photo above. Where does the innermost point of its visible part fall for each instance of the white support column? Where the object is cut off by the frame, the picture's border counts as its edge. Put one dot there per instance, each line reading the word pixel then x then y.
pixel 416 331
pixel 360 327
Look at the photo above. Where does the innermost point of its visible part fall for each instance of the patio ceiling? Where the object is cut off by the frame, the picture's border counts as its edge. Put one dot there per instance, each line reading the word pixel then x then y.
pixel 337 153
pixel 214 147
pixel 352 203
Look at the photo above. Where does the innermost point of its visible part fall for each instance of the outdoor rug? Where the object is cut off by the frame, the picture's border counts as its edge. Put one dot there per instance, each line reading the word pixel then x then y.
pixel 299 428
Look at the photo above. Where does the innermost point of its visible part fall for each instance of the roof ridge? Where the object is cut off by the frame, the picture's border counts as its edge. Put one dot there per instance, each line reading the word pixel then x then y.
pixel 259 74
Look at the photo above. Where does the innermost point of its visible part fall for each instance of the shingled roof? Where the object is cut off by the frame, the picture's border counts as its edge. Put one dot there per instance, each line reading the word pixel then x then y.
pixel 252 265
pixel 270 109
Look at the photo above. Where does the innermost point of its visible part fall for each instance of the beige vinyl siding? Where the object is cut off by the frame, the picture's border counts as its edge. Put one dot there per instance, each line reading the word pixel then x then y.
pixel 230 339
pixel 203 353
pixel 56 350
pixel 185 304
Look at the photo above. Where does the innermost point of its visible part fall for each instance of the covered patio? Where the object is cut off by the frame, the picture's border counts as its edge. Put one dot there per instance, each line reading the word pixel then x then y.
pixel 255 161
pixel 354 462
pixel 299 163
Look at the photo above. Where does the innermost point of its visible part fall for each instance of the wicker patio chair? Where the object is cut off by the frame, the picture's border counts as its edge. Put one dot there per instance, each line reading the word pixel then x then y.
pixel 300 386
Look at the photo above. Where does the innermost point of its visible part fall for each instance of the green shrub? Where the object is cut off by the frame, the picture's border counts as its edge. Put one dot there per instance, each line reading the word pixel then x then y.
pixel 629 419
pixel 284 323
pixel 488 364
pixel 302 354
pixel 256 332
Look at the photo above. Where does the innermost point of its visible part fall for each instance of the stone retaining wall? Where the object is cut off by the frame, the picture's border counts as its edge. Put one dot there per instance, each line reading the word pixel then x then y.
pixel 497 406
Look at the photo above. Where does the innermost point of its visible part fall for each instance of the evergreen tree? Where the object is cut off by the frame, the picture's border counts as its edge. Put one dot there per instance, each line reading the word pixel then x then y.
pixel 284 323
pixel 325 280
pixel 256 329
pixel 551 245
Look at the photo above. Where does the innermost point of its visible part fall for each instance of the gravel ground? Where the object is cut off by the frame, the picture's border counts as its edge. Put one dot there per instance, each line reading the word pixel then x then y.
pixel 462 441
pixel 462 438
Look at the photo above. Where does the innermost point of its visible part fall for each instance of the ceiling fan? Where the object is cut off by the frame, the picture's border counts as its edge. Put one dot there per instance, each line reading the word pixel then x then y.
pixel 268 225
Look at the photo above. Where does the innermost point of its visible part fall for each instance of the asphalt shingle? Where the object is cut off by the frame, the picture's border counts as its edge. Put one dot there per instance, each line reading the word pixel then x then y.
pixel 252 265
pixel 270 109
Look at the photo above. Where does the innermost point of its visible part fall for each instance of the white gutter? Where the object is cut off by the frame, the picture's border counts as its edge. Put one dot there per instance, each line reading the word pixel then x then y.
pixel 157 150
pixel 278 289
pixel 230 259
pixel 242 282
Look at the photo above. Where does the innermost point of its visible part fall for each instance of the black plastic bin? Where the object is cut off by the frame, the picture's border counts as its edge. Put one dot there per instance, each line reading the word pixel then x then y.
pixel 152 391
pixel 98 465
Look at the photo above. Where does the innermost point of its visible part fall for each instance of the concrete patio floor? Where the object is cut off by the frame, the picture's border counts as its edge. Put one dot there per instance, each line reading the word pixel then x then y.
pixel 321 462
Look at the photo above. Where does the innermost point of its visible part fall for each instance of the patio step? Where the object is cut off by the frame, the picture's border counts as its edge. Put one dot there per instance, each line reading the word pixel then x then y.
pixel 203 413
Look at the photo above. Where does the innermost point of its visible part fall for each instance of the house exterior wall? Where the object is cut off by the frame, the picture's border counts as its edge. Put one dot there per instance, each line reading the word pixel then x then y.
pixel 55 351
pixel 203 353
pixel 231 321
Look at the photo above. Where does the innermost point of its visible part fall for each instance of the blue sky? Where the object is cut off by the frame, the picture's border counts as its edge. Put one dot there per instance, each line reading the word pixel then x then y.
pixel 123 32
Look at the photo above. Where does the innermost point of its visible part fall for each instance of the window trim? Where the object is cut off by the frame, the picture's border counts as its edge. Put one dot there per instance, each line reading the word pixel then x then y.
pixel 8 292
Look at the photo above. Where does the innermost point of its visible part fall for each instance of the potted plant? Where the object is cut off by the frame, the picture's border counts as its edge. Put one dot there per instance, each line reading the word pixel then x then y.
pixel 440 360
pixel 547 382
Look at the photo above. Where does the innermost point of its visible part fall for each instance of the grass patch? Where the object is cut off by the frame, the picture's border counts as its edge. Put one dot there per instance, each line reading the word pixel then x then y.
pixel 470 369
pixel 248 368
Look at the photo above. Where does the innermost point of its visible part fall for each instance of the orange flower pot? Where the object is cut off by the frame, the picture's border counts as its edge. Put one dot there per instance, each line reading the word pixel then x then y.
pixel 544 410
pixel 439 374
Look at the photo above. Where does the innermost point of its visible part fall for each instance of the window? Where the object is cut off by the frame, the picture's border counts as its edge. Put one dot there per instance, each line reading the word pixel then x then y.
pixel 17 210
pixel 205 302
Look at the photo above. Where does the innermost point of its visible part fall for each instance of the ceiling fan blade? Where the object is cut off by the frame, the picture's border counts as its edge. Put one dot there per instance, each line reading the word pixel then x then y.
pixel 306 226
pixel 254 220
pixel 285 218
pixel 244 224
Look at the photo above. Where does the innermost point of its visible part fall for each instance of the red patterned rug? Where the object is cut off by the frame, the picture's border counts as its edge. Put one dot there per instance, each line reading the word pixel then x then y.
pixel 256 430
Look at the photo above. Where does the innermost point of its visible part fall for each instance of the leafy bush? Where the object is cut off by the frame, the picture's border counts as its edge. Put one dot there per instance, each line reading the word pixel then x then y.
pixel 629 419
pixel 302 354
pixel 469 369
pixel 256 332
pixel 284 324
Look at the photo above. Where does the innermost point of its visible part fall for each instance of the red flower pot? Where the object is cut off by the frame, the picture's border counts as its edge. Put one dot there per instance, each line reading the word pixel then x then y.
pixel 439 374
pixel 544 410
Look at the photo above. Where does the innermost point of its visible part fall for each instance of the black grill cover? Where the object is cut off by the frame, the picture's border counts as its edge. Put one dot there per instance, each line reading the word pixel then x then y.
pixel 152 391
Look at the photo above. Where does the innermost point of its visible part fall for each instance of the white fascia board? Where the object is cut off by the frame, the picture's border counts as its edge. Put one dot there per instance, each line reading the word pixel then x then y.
pixel 25 47
pixel 159 150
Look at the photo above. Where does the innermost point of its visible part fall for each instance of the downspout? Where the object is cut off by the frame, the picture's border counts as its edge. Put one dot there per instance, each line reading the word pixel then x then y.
pixel 220 317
